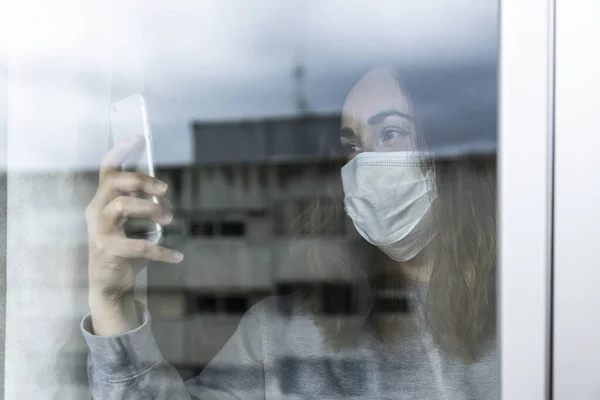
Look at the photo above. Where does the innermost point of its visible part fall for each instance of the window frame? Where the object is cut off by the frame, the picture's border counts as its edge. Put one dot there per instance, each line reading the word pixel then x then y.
pixel 525 199
pixel 575 330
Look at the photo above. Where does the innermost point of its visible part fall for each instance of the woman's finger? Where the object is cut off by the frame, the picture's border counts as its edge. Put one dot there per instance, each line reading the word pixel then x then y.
pixel 118 154
pixel 125 248
pixel 162 200
pixel 117 183
pixel 123 207
pixel 166 203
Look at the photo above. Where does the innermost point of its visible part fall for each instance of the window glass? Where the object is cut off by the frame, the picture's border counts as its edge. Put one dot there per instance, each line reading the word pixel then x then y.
pixel 331 187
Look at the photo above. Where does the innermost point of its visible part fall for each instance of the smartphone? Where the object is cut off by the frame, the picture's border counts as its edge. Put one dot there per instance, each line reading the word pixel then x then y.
pixel 128 118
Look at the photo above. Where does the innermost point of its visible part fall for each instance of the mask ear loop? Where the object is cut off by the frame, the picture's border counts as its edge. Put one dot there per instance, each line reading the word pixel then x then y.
pixel 432 184
pixel 429 171
pixel 432 180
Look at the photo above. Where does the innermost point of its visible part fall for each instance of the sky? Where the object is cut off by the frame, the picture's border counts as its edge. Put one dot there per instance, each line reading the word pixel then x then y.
pixel 209 60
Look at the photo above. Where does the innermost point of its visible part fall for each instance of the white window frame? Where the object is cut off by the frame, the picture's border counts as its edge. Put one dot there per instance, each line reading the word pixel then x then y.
pixel 525 138
pixel 576 320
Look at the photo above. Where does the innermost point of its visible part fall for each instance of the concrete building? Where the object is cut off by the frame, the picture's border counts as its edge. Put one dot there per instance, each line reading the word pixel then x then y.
pixel 246 201
pixel 248 197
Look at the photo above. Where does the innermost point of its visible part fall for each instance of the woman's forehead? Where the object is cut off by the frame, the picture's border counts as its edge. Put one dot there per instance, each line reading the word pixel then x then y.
pixel 375 92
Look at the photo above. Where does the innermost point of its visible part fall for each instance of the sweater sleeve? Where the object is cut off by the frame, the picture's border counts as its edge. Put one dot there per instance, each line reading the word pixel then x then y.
pixel 130 366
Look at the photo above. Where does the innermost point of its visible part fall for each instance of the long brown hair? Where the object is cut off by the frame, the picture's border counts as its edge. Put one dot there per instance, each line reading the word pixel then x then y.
pixel 459 307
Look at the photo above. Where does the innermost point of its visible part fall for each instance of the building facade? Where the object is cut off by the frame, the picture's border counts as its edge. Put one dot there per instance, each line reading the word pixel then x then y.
pixel 257 192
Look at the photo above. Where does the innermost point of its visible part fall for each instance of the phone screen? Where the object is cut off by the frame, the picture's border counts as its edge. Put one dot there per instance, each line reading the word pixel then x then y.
pixel 128 118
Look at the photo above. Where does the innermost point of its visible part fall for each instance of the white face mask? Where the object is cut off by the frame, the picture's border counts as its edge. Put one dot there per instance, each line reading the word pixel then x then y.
pixel 389 197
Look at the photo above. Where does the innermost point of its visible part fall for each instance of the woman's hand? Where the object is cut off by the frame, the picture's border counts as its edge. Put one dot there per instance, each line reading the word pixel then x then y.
pixel 115 260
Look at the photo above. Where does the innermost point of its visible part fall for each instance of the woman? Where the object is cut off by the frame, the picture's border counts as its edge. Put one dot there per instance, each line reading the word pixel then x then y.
pixel 422 324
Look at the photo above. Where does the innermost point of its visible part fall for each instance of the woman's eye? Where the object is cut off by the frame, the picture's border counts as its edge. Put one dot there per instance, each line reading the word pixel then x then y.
pixel 389 134
pixel 353 148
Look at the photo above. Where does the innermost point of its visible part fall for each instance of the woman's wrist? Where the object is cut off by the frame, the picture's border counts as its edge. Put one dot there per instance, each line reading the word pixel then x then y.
pixel 103 298
pixel 113 315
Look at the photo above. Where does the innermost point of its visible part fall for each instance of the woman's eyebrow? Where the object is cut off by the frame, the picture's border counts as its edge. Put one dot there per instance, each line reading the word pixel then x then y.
pixel 379 117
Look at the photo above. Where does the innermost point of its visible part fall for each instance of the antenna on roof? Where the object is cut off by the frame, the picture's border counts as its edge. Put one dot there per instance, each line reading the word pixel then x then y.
pixel 299 75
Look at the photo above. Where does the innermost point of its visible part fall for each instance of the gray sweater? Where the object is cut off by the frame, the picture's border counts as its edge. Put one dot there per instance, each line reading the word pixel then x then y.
pixel 273 356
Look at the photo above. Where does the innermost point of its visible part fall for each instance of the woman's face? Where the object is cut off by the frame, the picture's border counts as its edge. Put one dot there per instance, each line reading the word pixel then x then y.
pixel 377 116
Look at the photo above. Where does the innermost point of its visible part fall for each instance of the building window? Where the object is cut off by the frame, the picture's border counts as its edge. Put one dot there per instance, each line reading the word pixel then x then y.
pixel 233 228
pixel 223 303
pixel 217 228
pixel 176 187
pixel 338 298
pixel 202 228
pixel 235 304
pixel 205 304
pixel 309 217
pixel 290 294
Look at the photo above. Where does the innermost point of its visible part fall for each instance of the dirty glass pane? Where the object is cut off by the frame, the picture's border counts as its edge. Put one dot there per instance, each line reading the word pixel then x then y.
pixel 331 185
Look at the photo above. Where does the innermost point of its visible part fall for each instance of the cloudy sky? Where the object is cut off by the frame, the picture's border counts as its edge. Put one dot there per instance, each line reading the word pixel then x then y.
pixel 209 60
